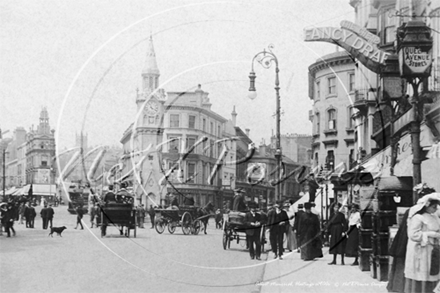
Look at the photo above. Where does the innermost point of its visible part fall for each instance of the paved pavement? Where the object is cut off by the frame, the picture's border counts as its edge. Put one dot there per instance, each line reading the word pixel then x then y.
pixel 295 275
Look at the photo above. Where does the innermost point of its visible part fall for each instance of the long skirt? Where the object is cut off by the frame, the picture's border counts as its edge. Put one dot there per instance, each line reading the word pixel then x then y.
pixel 396 277
pixel 412 286
pixel 291 239
pixel 351 248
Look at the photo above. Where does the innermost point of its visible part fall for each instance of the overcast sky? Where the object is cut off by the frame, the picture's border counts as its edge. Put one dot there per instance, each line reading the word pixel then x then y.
pixel 83 60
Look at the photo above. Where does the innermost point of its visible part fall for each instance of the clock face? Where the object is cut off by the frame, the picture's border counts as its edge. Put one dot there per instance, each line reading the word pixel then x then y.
pixel 152 107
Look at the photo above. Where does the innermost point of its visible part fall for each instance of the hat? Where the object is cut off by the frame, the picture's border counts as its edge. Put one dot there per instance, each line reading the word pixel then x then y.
pixel 423 202
pixel 307 205
pixel 300 206
pixel 239 190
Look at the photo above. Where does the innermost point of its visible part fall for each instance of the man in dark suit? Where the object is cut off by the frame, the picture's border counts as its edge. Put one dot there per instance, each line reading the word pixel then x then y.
pixel 50 212
pixel 253 220
pixel 43 214
pixel 110 195
pixel 29 214
pixel 239 204
pixel 278 221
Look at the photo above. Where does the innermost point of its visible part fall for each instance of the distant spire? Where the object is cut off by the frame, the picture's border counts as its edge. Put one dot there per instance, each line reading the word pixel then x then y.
pixel 150 66
pixel 234 117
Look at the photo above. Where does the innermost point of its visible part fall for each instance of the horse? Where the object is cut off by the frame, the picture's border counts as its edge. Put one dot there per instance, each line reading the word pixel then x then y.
pixel 205 213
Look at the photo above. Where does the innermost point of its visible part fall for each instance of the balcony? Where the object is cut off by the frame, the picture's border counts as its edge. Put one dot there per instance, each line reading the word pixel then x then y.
pixel 330 132
pixel 362 101
pixel 330 142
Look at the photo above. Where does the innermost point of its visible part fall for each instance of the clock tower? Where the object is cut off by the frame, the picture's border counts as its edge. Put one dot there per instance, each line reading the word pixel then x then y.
pixel 140 139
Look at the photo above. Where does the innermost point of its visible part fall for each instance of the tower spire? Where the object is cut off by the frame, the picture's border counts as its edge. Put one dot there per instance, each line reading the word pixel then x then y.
pixel 150 65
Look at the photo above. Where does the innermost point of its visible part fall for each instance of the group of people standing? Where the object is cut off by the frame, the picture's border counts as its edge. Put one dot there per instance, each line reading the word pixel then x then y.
pixel 23 211
pixel 415 265
pixel 300 229
pixel 344 233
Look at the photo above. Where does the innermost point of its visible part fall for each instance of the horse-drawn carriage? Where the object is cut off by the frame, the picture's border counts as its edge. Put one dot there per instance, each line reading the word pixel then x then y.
pixel 120 212
pixel 234 228
pixel 189 218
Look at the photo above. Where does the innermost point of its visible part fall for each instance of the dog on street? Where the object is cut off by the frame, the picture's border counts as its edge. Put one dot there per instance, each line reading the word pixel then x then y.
pixel 57 230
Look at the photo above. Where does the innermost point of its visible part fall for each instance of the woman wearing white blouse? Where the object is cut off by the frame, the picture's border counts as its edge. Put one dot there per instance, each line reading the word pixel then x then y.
pixel 421 269
pixel 354 222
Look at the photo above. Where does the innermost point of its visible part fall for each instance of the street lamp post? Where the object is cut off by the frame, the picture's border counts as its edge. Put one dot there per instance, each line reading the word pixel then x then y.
pixel 266 58
pixel 414 47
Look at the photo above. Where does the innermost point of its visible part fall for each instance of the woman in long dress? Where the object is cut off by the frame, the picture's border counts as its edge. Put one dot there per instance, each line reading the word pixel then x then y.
pixel 422 270
pixel 291 240
pixel 337 227
pixel 354 222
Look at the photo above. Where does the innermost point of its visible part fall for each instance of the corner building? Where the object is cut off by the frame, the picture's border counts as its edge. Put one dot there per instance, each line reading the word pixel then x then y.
pixel 162 156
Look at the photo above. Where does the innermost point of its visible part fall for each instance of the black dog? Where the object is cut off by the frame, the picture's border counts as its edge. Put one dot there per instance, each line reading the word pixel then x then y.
pixel 57 230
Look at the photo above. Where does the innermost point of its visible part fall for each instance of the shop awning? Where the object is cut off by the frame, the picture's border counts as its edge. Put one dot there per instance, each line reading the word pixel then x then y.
pixel 11 191
pixel 44 189
pixel 38 189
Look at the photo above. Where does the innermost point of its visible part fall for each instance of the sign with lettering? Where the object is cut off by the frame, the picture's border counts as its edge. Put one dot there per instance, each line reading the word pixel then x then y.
pixel 360 43
pixel 415 61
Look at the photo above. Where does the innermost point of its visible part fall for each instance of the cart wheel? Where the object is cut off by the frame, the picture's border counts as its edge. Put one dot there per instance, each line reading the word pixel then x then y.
pixel 196 227
pixel 160 226
pixel 186 223
pixel 172 227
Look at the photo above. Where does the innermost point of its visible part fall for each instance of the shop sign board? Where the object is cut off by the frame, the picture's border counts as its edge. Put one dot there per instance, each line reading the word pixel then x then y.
pixel 393 87
pixel 42 176
pixel 415 61
pixel 357 41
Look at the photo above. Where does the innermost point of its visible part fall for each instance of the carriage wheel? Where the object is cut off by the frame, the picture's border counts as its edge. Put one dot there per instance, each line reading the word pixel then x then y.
pixel 160 226
pixel 196 227
pixel 172 227
pixel 186 223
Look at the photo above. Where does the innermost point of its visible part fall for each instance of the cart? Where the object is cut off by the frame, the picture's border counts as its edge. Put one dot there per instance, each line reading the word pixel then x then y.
pixel 185 217
pixel 120 213
pixel 234 228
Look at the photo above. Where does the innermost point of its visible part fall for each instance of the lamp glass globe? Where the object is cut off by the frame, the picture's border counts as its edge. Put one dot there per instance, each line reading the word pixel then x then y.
pixel 252 95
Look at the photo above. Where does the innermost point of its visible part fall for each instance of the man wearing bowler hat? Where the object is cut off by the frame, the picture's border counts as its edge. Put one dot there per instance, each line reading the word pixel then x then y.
pixel 239 204
pixel 253 220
